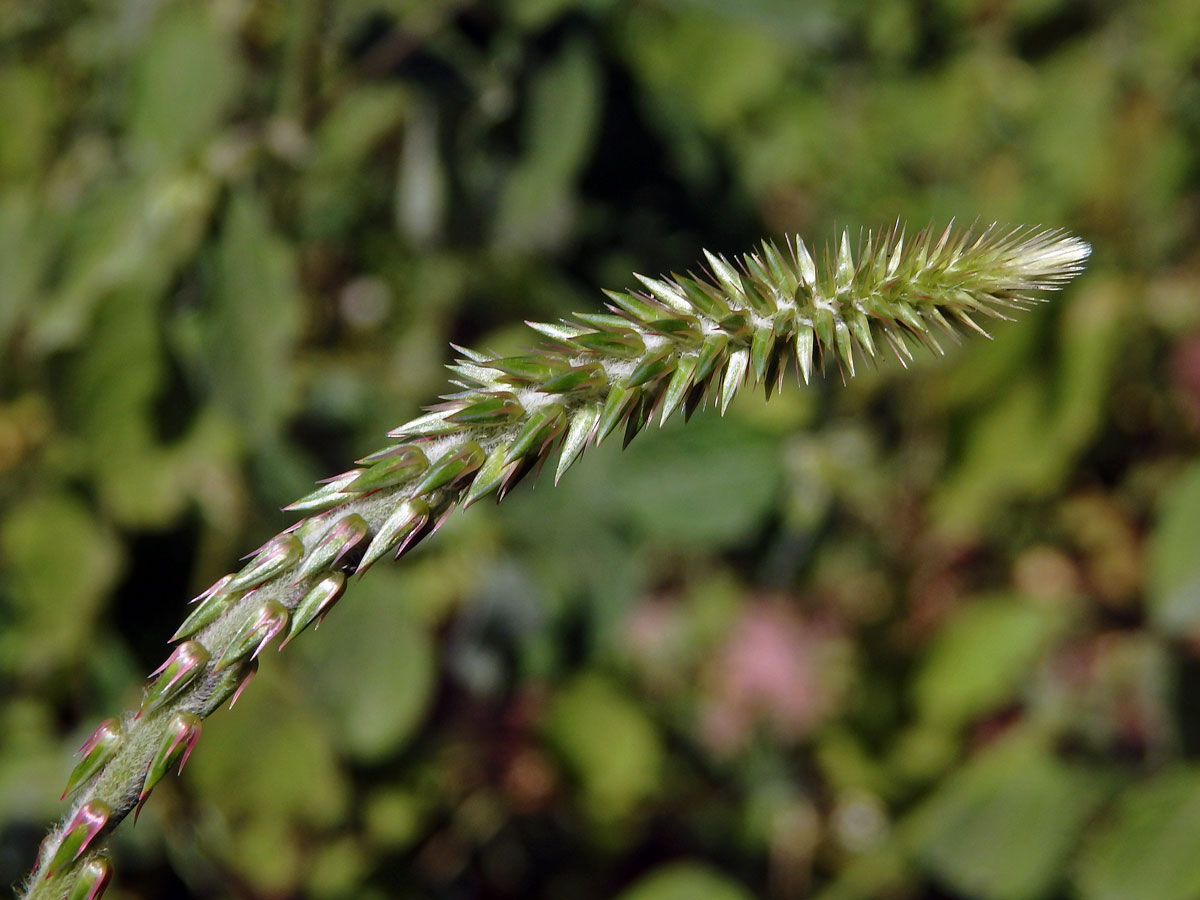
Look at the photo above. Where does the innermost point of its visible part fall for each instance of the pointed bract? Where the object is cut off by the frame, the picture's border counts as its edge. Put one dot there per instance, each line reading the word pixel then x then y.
pixel 316 602
pixel 88 821
pixel 454 465
pixel 92 880
pixel 276 557
pixel 266 620
pixel 180 669
pixel 340 539
pixel 96 751
pixel 207 612
pixel 398 528
pixel 176 746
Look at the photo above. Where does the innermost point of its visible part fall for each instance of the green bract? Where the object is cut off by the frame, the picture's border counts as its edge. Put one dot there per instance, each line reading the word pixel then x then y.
pixel 669 347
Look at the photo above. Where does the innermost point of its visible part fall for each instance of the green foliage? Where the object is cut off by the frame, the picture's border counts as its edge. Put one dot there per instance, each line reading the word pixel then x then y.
pixel 1002 827
pixel 1173 576
pixel 1142 849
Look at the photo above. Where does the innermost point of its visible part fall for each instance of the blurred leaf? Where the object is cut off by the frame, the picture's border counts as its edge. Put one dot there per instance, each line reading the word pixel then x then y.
pixel 685 881
pixel 376 693
pixel 29 108
pixel 338 183
pixel 252 322
pixel 980 658
pixel 131 232
pixel 115 383
pixel 181 85
pixel 707 485
pixel 269 769
pixel 609 743
pixel 1173 568
pixel 1032 433
pixel 59 564
pixel 25 249
pixel 1145 849
pixel 536 207
pixel 1001 827
pixel 718 67
pixel 33 765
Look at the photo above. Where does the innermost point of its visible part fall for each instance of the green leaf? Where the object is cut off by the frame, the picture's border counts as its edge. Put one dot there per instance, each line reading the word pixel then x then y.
pixel 375 695
pixel 1146 848
pixel 980 658
pixel 268 766
pixel 30 105
pixel 1002 826
pixel 1173 569
pixel 685 881
pixel 609 743
pixel 183 82
pixel 337 184
pixel 706 485
pixel 59 565
pixel 252 321
pixel 537 206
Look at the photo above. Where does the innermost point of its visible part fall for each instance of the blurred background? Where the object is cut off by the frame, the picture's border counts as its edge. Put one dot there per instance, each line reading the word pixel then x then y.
pixel 932 634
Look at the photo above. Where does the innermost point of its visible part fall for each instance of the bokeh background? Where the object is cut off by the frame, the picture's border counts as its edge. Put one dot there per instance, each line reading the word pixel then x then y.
pixel 931 634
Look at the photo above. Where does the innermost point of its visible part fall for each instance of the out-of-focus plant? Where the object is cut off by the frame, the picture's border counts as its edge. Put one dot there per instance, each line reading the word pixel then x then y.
pixel 667 348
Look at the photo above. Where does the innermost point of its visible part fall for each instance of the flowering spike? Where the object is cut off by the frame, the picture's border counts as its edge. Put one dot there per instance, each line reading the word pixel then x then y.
pixel 399 527
pixel 88 821
pixel 179 670
pixel 688 338
pixel 277 556
pixel 339 540
pixel 92 880
pixel 315 604
pixel 267 620
pixel 96 751
pixel 176 746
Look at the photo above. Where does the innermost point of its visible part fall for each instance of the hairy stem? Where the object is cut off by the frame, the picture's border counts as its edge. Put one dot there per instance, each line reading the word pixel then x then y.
pixel 657 351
